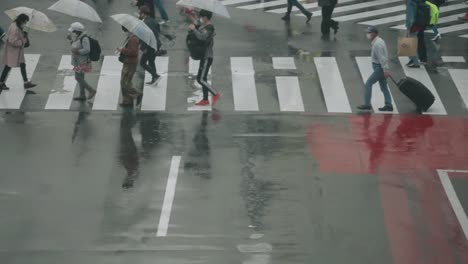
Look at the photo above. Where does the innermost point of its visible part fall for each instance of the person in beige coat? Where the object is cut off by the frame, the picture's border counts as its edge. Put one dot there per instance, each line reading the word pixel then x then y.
pixel 13 56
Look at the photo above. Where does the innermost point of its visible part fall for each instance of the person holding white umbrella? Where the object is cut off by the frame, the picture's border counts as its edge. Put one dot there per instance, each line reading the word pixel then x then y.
pixel 16 41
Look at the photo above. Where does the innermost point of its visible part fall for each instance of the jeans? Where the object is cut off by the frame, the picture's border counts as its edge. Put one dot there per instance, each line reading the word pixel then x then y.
pixel 128 91
pixel 377 76
pixel 147 62
pixel 80 79
pixel 422 53
pixel 202 76
pixel 7 70
pixel 162 11
pixel 435 29
pixel 298 5
pixel 327 21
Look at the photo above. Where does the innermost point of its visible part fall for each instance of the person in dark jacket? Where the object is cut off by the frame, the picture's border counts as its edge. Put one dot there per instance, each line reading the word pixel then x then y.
pixel 296 3
pixel 327 10
pixel 129 55
pixel 148 3
pixel 149 54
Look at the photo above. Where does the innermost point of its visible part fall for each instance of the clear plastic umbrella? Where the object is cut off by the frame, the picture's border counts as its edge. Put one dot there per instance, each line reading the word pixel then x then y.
pixel 138 28
pixel 37 19
pixel 76 8
pixel 214 6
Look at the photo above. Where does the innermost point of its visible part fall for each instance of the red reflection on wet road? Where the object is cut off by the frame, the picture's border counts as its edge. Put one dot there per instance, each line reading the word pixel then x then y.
pixel 405 152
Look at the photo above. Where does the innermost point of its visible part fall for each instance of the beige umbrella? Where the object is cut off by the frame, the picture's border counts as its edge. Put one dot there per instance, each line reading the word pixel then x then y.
pixel 76 8
pixel 37 19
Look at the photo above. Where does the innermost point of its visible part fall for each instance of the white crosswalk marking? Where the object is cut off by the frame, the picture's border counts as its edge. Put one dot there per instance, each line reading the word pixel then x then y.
pixel 266 4
pixel 243 84
pixel 284 63
pixel 464 36
pixel 460 78
pixel 333 88
pixel 154 96
pixel 289 94
pixel 422 76
pixel 234 2
pixel 306 6
pixel 443 9
pixel 62 97
pixel 453 59
pixel 347 8
pixel 13 98
pixel 365 68
pixel 453 28
pixel 371 13
pixel 108 89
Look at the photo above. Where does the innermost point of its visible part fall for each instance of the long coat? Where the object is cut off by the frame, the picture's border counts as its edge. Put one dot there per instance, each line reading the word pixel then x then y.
pixel 13 54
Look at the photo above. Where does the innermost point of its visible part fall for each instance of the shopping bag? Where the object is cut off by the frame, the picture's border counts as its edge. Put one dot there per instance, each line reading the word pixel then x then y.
pixel 407 46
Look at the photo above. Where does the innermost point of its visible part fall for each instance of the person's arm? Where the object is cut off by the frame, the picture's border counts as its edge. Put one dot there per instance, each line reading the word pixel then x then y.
pixel 382 56
pixel 132 49
pixel 204 34
pixel 15 37
pixel 85 46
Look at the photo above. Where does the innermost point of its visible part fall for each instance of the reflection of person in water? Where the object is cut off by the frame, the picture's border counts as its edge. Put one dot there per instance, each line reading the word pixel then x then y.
pixel 376 146
pixel 128 154
pixel 198 159
pixel 150 133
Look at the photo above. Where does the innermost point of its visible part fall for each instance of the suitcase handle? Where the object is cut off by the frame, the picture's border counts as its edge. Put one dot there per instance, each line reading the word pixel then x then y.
pixel 393 80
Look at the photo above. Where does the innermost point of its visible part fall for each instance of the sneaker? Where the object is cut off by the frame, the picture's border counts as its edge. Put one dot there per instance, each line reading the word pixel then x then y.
pixel 364 107
pixel 91 94
pixel 286 18
pixel 163 22
pixel 154 80
pixel 412 65
pixel 309 17
pixel 29 85
pixel 387 108
pixel 4 87
pixel 216 97
pixel 203 103
pixel 437 37
pixel 336 27
pixel 423 62
pixel 409 63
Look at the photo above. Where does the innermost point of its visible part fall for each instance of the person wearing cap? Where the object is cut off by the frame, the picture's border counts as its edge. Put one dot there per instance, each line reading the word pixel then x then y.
pixel 129 58
pixel 80 49
pixel 149 54
pixel 381 72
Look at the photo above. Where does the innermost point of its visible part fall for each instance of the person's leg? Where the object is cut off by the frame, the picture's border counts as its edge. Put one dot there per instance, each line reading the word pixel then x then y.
pixel 414 60
pixel 326 16
pixel 5 72
pixel 383 84
pixel 422 53
pixel 125 81
pixel 200 77
pixel 152 63
pixel 333 24
pixel 435 29
pixel 204 77
pixel 144 62
pixel 162 11
pixel 300 7
pixel 23 72
pixel 79 77
pixel 290 5
pixel 368 87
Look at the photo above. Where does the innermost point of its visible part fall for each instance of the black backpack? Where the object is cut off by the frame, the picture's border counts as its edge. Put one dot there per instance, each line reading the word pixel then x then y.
pixel 423 14
pixel 95 53
pixel 196 47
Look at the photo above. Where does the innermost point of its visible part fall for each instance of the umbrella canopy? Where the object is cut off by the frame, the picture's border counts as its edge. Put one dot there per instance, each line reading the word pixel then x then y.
pixel 76 8
pixel 138 28
pixel 214 6
pixel 37 20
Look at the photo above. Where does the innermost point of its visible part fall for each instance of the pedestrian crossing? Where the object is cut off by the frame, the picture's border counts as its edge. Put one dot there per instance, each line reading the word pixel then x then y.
pixel 365 12
pixel 288 84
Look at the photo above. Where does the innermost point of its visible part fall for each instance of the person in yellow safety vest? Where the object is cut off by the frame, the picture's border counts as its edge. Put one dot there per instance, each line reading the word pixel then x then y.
pixel 434 20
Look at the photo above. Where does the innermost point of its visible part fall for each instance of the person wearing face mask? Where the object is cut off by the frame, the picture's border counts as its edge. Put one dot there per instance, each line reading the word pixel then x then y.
pixel 129 58
pixel 80 49
pixel 381 72
pixel 149 54
pixel 13 56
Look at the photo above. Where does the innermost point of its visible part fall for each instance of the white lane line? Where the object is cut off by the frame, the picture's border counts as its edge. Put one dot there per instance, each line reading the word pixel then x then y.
pixel 460 78
pixel 154 96
pixel 108 89
pixel 363 5
pixel 306 6
pixel 333 88
pixel 421 75
pixel 62 98
pixel 384 20
pixel 377 100
pixel 453 59
pixel 454 201
pixel 243 84
pixel 371 13
pixel 267 4
pixel 234 2
pixel 443 9
pixel 284 63
pixel 168 197
pixel 13 98
pixel 289 93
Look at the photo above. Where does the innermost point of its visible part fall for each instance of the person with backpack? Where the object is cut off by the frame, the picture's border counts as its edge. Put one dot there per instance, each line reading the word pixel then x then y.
pixel 418 15
pixel 148 58
pixel 296 3
pixel 327 10
pixel 13 56
pixel 205 32
pixel 80 59
pixel 129 58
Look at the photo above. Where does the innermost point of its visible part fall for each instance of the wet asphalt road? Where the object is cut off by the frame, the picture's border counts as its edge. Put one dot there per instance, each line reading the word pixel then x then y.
pixel 253 187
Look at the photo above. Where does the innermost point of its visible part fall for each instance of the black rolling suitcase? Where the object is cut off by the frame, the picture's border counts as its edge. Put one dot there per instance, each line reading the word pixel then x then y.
pixel 416 92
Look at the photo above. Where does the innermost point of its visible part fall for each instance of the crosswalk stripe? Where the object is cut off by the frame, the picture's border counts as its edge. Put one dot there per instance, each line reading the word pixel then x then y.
pixel 108 89
pixel 460 78
pixel 62 97
pixel 365 68
pixel 154 96
pixel 13 98
pixel 384 20
pixel 243 84
pixel 283 63
pixel 443 9
pixel 453 59
pixel 453 28
pixel 266 4
pixel 306 6
pixel 234 2
pixel 371 13
pixel 289 94
pixel 464 36
pixel 347 8
pixel 333 88
pixel 421 75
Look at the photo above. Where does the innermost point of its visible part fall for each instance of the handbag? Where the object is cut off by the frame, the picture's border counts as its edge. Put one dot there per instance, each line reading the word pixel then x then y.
pixel 407 46
pixel 27 44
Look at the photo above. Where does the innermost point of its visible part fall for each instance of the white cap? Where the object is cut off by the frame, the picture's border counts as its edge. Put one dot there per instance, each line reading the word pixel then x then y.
pixel 77 26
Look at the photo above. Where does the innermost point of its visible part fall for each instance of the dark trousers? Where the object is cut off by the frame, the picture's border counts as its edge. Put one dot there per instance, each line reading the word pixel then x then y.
pixel 162 11
pixel 202 76
pixel 7 70
pixel 147 62
pixel 298 5
pixel 422 52
pixel 327 21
